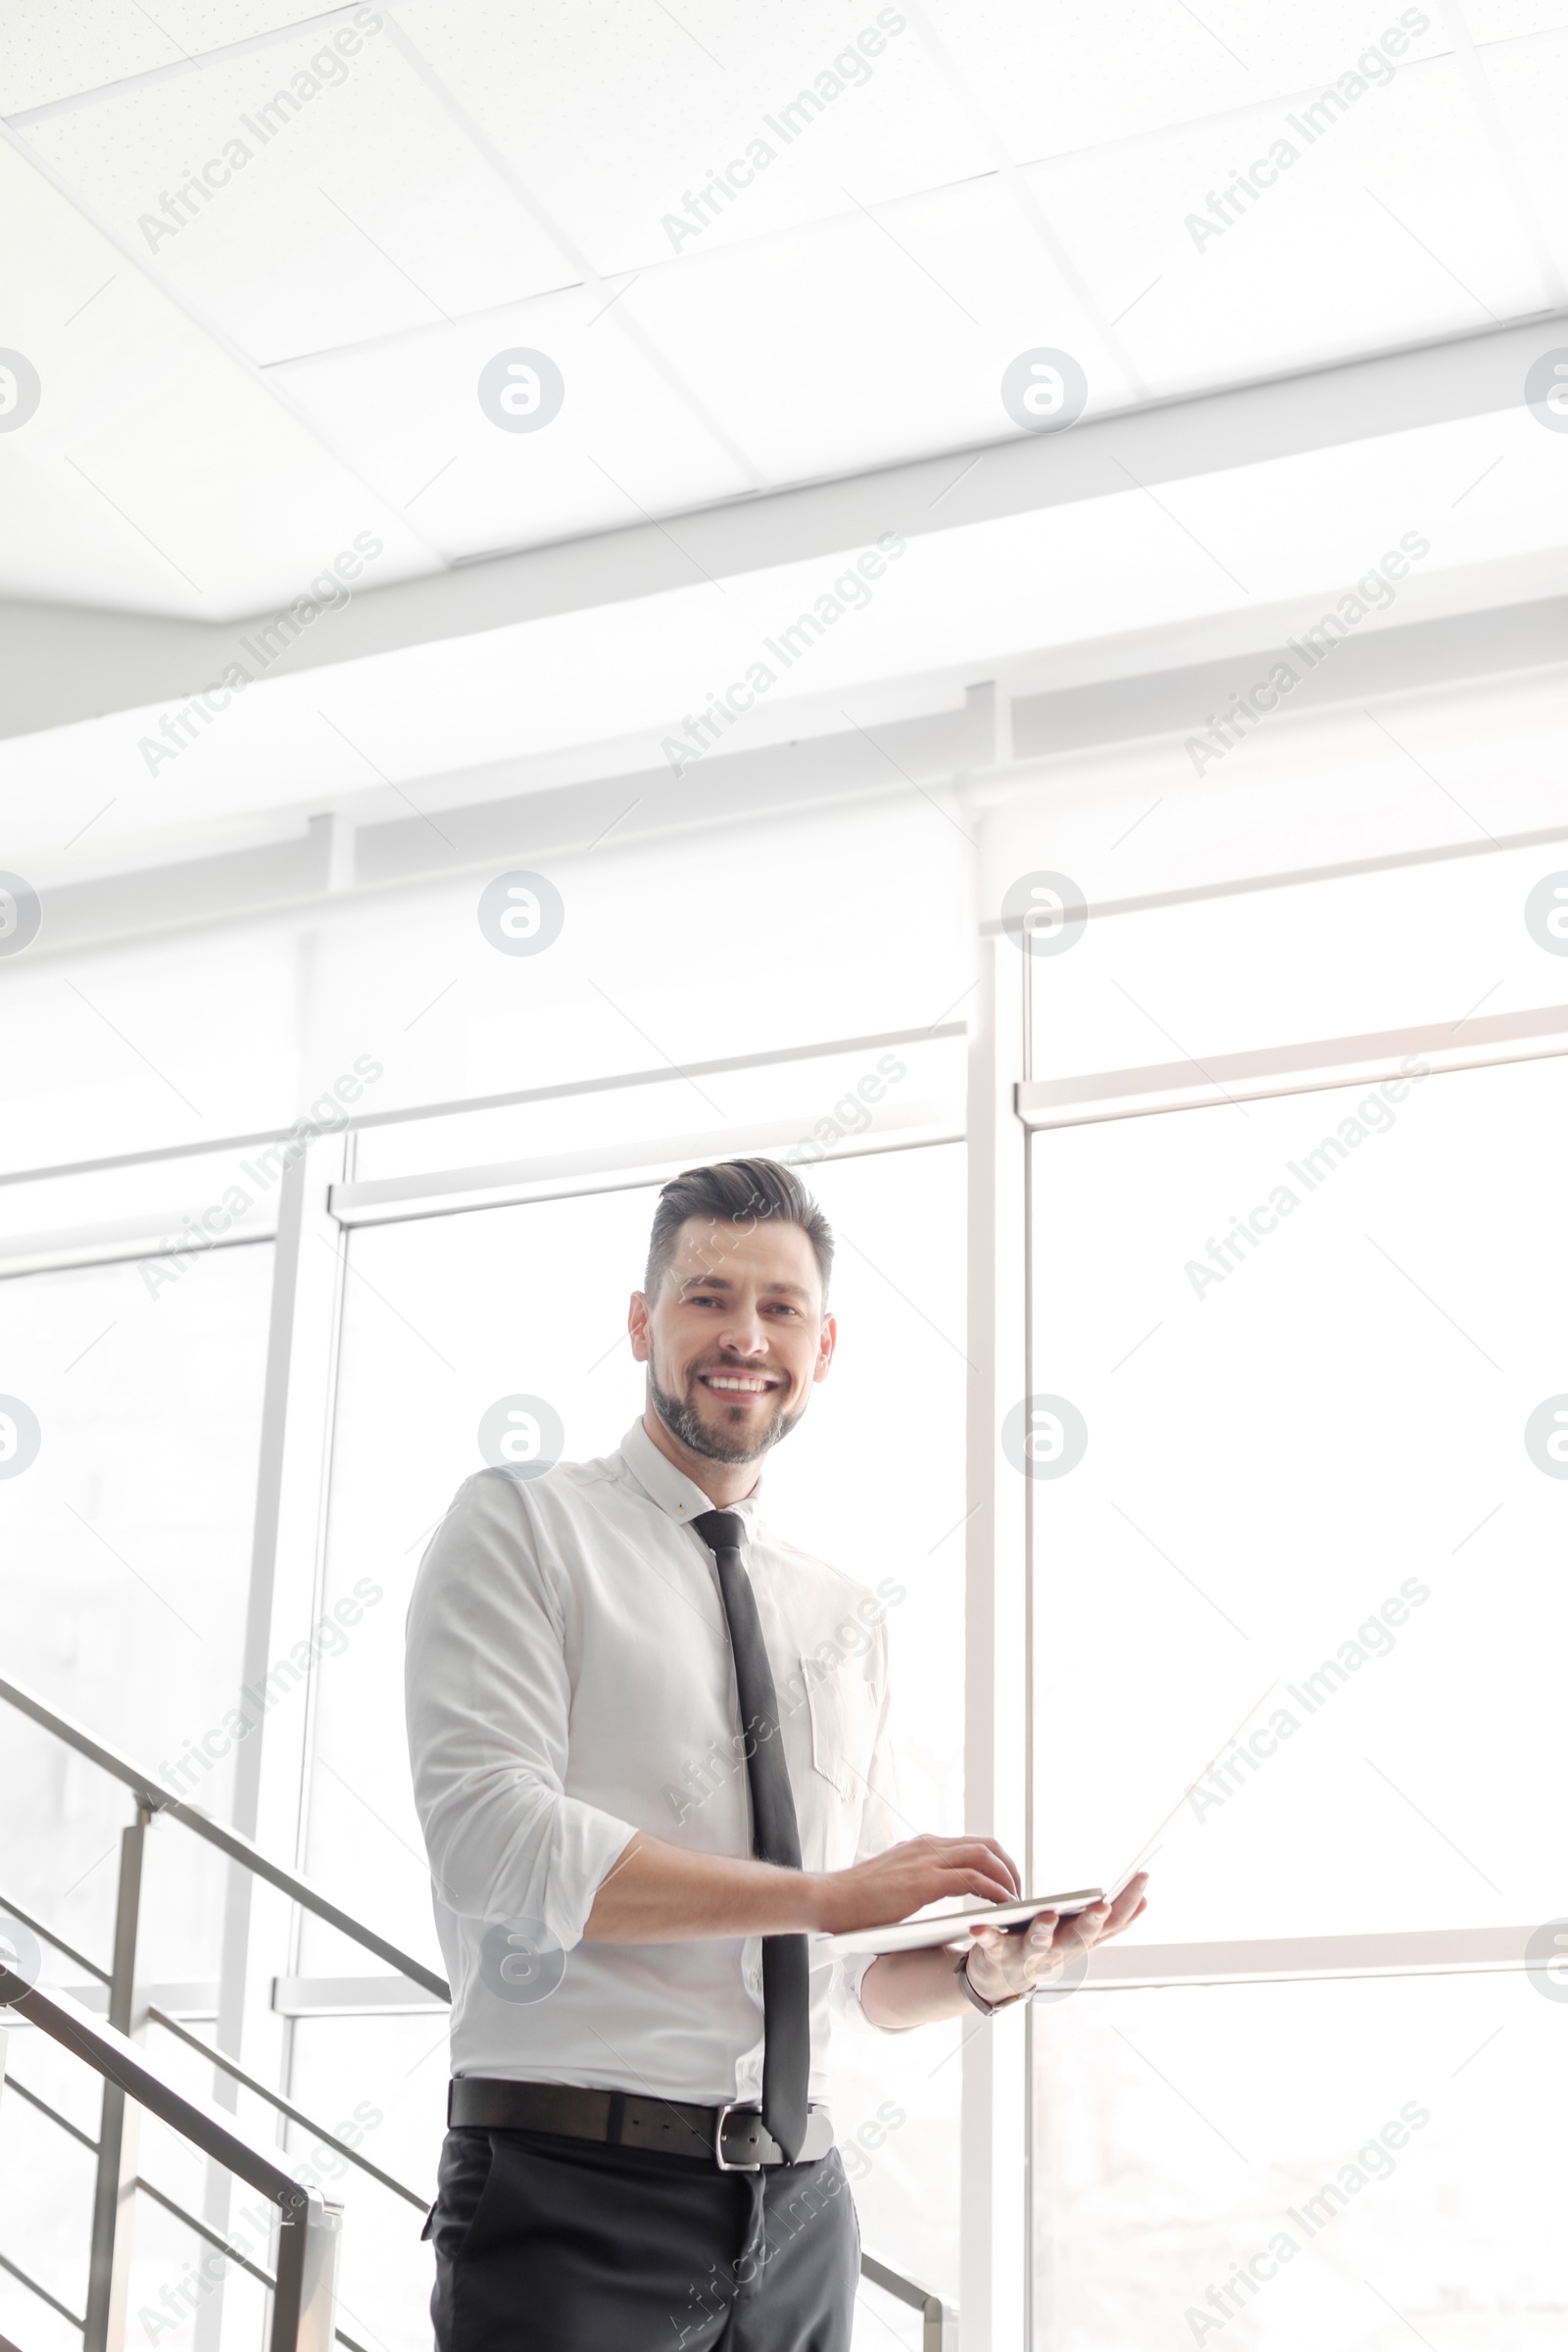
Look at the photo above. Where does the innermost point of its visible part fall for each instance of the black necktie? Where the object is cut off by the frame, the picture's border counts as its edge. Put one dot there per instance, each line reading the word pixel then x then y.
pixel 775 1837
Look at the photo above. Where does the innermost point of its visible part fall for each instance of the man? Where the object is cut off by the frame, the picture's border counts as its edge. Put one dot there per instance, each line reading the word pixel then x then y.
pixel 650 1758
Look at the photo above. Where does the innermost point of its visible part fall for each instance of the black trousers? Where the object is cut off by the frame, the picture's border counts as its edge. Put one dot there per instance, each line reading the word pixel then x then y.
pixel 548 2244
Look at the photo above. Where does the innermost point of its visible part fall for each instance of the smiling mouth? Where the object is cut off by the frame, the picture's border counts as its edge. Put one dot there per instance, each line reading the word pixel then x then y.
pixel 738 1384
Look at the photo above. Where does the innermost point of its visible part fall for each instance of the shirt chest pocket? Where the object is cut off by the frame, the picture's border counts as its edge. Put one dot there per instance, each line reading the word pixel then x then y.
pixel 844 1709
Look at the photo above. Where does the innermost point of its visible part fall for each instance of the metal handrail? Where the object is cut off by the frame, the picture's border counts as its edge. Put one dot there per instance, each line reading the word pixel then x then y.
pixel 153 1798
pixel 201 2229
pixel 63 2122
pixel 121 2061
pixel 304 2283
pixel 42 2293
pixel 296 2115
pixel 150 1791
pixel 231 2253
pixel 147 2189
pixel 36 1924
pixel 937 2317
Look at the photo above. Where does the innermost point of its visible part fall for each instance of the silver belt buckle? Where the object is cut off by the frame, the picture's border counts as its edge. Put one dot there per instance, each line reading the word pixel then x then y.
pixel 732 2107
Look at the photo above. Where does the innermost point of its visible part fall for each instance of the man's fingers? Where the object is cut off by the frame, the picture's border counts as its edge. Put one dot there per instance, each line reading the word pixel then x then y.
pixel 1106 1918
pixel 972 1862
pixel 981 1853
pixel 1116 1926
pixel 976 1881
pixel 1010 1867
pixel 990 1890
pixel 983 1850
pixel 1128 1905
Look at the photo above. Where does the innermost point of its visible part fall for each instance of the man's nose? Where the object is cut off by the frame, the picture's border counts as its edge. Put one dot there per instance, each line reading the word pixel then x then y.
pixel 745 1332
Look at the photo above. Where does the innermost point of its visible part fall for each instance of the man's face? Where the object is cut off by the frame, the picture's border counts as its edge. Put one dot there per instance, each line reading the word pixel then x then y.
pixel 736 1338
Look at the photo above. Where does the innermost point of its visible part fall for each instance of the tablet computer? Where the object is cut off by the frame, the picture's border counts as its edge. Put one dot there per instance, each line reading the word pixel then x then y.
pixel 952 1927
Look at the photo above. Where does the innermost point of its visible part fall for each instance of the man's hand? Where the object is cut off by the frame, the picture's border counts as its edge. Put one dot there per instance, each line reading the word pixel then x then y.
pixel 1002 1965
pixel 907 1876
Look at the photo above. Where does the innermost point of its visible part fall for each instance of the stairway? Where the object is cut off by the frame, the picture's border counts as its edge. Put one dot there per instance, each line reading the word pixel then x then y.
pixel 115 2024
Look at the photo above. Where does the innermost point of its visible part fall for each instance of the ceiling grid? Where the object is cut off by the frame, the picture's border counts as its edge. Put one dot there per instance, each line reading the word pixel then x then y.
pixel 816 341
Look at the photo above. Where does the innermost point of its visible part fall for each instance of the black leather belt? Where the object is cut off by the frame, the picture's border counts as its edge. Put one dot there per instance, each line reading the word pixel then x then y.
pixel 730 2137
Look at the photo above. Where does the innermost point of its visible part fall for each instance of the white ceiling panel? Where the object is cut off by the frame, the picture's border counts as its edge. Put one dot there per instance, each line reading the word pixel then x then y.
pixel 867 339
pixel 1056 79
pixel 54 48
pixel 376 203
pixel 157 473
pixel 625 441
pixel 1391 226
pixel 306 195
pixel 797 104
pixel 1529 82
pixel 1513 19
pixel 1052 78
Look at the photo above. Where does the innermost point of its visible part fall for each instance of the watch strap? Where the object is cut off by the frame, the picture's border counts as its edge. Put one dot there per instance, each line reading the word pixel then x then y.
pixel 978 1999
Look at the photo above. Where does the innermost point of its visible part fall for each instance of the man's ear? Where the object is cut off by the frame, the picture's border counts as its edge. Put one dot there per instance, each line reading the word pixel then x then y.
pixel 825 1346
pixel 637 1325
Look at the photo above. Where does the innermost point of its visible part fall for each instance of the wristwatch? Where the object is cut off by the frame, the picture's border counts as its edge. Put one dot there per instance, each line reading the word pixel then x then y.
pixel 984 2007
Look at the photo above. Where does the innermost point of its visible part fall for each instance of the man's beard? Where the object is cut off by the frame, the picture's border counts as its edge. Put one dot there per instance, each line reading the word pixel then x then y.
pixel 683 1422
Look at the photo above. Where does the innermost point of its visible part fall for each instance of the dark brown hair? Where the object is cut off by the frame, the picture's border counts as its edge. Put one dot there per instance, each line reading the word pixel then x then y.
pixel 732 1192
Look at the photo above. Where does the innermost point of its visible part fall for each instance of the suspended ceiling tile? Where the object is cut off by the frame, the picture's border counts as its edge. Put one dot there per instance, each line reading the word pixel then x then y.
pixel 1513 19
pixel 853 302
pixel 303 196
pixel 1529 82
pixel 54 48
pixel 625 441
pixel 156 473
pixel 793 104
pixel 1056 80
pixel 868 339
pixel 1385 223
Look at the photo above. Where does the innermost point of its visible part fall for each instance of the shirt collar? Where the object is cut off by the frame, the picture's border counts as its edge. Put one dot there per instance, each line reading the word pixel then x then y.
pixel 673 1492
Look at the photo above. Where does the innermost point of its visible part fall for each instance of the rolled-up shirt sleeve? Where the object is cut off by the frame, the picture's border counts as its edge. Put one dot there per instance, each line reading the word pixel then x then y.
pixel 489 1701
pixel 881 1825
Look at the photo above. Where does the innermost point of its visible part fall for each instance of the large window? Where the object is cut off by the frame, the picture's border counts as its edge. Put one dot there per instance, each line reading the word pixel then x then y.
pixel 1307 1336
pixel 125 1555
pixel 1373 2164
pixel 125 1558
pixel 1314 1542
pixel 1296 1520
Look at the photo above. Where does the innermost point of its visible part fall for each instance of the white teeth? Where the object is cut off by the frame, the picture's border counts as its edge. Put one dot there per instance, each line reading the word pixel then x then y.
pixel 748 1388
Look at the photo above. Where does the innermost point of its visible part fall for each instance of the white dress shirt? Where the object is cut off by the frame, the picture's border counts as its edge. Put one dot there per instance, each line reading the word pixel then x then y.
pixel 570 1682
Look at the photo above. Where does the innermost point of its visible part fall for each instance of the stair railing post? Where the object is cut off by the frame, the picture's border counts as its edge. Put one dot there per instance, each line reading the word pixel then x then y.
pixel 115 2193
pixel 939 2332
pixel 305 2298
